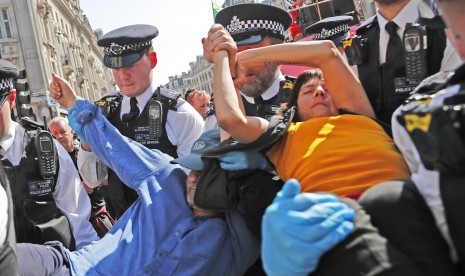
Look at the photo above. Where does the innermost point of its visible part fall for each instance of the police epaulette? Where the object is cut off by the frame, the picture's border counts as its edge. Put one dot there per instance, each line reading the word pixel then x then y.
pixel 210 112
pixel 173 96
pixel 109 98
pixel 367 25
pixel 29 124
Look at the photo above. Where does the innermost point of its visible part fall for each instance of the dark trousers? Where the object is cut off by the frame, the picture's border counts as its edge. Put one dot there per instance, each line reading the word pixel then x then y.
pixel 37 259
pixel 365 252
pixel 400 213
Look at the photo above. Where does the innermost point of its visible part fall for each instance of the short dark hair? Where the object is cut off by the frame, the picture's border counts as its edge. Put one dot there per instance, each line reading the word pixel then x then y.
pixel 190 90
pixel 298 83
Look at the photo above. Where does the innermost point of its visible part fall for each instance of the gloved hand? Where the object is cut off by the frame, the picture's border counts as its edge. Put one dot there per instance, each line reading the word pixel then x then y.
pixel 243 160
pixel 298 228
pixel 75 125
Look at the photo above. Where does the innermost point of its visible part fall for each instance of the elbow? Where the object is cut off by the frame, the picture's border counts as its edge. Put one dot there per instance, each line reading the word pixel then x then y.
pixel 230 124
pixel 333 51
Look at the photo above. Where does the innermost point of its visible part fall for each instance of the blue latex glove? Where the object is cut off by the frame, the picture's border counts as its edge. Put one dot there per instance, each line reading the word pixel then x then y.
pixel 75 125
pixel 298 228
pixel 243 160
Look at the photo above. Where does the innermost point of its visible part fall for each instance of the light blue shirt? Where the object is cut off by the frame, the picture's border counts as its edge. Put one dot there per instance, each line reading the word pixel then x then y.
pixel 158 234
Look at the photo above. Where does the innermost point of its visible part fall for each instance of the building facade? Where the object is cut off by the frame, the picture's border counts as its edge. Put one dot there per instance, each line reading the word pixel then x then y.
pixel 200 76
pixel 45 36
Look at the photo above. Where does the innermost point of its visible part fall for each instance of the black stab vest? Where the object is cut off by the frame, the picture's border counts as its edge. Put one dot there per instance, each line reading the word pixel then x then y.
pixel 36 216
pixel 378 80
pixel 119 196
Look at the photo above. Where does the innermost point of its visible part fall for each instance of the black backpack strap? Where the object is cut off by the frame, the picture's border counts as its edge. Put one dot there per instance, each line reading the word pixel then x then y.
pixel 277 128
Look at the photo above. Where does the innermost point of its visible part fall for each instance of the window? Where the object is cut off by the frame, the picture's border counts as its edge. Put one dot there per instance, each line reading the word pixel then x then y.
pixel 5 29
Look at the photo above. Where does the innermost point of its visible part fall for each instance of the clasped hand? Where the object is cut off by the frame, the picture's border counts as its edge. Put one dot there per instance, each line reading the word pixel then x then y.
pixel 218 40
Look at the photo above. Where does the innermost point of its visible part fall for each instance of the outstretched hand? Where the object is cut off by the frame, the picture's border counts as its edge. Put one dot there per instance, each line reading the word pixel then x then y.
pixel 61 91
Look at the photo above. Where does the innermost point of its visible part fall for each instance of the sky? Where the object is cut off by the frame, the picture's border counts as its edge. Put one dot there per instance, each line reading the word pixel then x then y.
pixel 181 25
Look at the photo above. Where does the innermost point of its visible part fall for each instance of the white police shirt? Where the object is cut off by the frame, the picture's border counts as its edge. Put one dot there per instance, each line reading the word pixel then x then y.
pixel 70 196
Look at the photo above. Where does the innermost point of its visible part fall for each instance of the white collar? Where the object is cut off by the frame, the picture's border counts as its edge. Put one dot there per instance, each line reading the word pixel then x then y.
pixel 409 14
pixel 143 98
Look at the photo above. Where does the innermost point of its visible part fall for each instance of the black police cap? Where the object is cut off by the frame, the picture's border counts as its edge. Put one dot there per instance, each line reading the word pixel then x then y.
pixel 331 28
pixel 8 72
pixel 251 23
pixel 126 45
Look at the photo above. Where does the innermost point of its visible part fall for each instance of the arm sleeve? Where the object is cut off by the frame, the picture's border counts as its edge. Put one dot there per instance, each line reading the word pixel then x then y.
pixel 404 143
pixel 73 201
pixel 131 161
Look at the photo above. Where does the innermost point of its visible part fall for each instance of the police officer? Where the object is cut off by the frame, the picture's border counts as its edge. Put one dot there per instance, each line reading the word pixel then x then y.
pixel 429 131
pixel 156 118
pixel 383 74
pixel 256 25
pixel 333 28
pixel 46 206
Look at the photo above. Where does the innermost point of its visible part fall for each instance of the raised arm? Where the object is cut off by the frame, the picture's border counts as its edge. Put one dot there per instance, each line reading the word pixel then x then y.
pixel 227 100
pixel 345 88
pixel 115 150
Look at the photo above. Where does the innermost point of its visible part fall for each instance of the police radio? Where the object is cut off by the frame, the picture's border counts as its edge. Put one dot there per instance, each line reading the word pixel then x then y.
pixel 155 111
pixel 415 45
pixel 46 153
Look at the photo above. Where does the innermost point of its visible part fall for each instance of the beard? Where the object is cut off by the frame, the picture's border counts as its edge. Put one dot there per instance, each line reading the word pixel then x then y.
pixel 264 79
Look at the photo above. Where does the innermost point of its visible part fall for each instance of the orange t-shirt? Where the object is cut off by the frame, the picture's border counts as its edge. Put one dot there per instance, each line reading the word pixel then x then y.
pixel 343 154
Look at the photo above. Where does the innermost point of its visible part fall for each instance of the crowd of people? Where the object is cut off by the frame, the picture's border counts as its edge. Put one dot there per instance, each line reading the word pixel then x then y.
pixel 343 170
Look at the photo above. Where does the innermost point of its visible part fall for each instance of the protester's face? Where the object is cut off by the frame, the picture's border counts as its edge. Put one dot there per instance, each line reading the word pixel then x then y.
pixel 5 113
pixel 135 79
pixel 64 135
pixel 191 185
pixel 260 77
pixel 452 12
pixel 314 100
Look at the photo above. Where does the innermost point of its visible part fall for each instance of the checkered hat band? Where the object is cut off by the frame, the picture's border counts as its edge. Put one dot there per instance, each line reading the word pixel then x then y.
pixel 6 84
pixel 238 26
pixel 116 49
pixel 324 33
